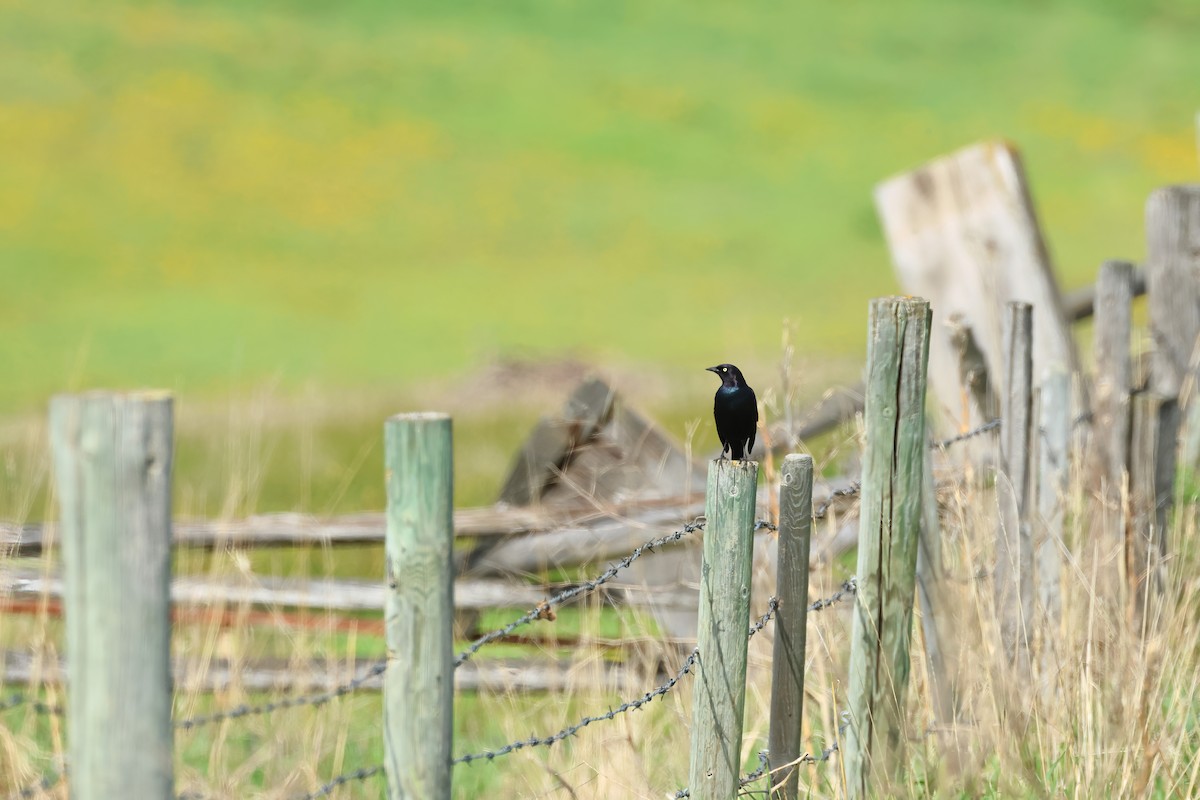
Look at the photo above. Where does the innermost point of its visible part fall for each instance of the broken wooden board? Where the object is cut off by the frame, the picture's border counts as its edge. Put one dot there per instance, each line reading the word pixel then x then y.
pixel 598 450
pixel 963 234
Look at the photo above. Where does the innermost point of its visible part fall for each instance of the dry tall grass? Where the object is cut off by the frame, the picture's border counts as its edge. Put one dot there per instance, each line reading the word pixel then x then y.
pixel 1110 707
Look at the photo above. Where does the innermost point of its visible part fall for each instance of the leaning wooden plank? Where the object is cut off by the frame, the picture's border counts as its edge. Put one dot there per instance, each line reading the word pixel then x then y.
pixel 293 529
pixel 963 233
pixel 470 594
pixel 570 546
pixel 279 675
pixel 552 441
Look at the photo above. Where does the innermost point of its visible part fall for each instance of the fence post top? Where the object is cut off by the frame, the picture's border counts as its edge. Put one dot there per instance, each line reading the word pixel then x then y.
pixel 114 396
pixel 727 465
pixel 419 417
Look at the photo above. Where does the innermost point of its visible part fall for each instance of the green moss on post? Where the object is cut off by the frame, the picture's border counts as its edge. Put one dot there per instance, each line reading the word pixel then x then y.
pixel 419 612
pixel 112 463
pixel 893 472
pixel 719 696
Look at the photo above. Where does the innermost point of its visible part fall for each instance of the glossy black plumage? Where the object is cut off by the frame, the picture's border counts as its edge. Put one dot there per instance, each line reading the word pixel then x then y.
pixel 735 410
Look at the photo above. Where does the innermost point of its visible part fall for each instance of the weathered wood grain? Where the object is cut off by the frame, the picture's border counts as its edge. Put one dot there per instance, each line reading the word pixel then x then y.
pixel 963 234
pixel 1109 446
pixel 419 612
pixel 112 464
pixel 791 620
pixel 1014 582
pixel 1151 487
pixel 1173 284
pixel 891 502
pixel 719 682
pixel 1053 443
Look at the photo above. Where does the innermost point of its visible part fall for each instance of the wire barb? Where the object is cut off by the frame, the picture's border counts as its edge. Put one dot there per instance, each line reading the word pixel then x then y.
pixel 850 491
pixel 17 699
pixel 971 434
pixel 355 776
pixel 630 705
pixel 539 611
pixel 44 784
pixel 318 699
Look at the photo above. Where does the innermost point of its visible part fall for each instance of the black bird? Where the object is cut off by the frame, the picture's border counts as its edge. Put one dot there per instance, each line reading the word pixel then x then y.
pixel 735 410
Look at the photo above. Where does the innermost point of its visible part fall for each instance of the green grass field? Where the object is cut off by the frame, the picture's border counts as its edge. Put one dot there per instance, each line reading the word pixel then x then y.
pixel 208 196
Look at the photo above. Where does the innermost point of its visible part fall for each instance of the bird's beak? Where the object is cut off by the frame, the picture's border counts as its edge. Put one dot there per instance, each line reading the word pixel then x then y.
pixel 710 369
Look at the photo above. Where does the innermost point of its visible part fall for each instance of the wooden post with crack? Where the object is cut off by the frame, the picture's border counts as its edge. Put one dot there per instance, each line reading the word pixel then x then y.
pixel 893 476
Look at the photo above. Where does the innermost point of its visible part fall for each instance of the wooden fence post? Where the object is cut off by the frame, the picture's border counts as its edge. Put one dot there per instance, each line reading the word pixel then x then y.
pixel 419 612
pixel 1014 541
pixel 1053 451
pixel 1173 305
pixel 1151 487
pixel 112 462
pixel 719 696
pixel 943 641
pixel 893 472
pixel 1114 377
pixel 1173 283
pixel 1108 453
pixel 791 621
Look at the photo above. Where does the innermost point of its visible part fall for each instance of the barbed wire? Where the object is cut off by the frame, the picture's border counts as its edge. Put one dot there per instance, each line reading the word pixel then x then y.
pixel 856 486
pixel 356 776
pixel 44 784
pixel 631 705
pixel 541 610
pixel 764 762
pixel 971 434
pixel 318 699
pixel 17 699
pixel 850 491
pixel 761 622
pixel 538 612
pixel 849 587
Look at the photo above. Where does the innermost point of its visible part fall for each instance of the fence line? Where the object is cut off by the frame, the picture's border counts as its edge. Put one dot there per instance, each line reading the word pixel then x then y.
pixel 540 611
pixel 847 589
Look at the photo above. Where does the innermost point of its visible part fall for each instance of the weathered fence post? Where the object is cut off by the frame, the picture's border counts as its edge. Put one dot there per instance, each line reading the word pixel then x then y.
pixel 1108 453
pixel 893 472
pixel 943 643
pixel 1114 377
pixel 419 614
pixel 791 620
pixel 1151 486
pixel 1173 304
pixel 1053 458
pixel 1014 542
pixel 719 696
pixel 1173 283
pixel 112 462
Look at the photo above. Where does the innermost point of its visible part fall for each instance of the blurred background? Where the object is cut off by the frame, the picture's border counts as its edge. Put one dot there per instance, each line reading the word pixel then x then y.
pixel 302 217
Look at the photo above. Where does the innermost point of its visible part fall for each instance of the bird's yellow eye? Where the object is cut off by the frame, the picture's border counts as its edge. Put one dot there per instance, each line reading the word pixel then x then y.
pixel 724 369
